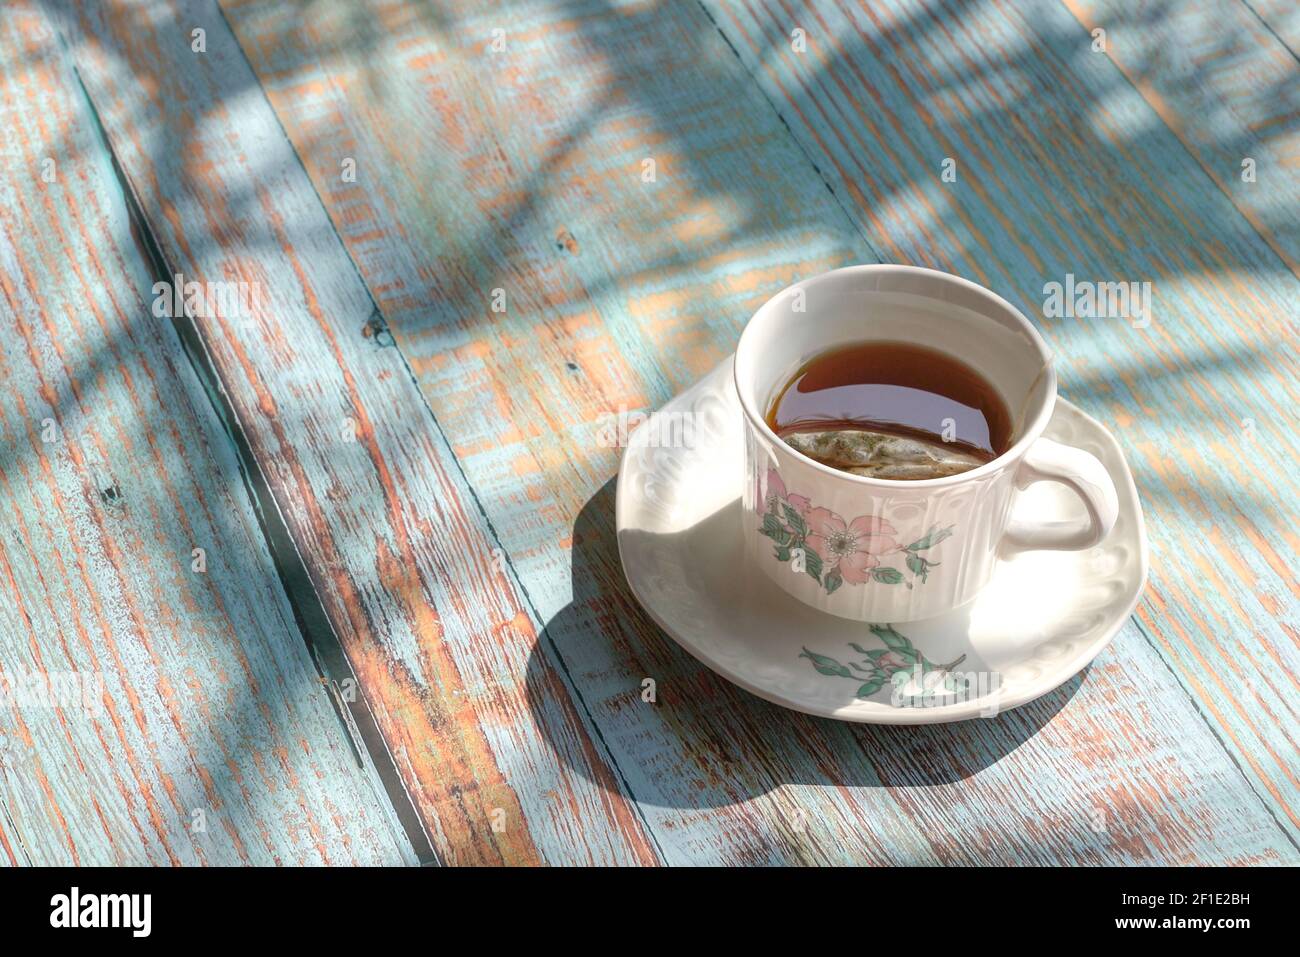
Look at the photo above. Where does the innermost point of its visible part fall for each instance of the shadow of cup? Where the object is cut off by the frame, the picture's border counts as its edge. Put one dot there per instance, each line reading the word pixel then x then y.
pixel 703 742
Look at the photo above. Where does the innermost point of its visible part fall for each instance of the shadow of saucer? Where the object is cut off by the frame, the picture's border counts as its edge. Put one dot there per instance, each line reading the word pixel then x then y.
pixel 705 742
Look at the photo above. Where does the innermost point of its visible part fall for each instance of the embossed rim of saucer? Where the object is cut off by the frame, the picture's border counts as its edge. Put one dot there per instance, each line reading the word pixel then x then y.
pixel 760 666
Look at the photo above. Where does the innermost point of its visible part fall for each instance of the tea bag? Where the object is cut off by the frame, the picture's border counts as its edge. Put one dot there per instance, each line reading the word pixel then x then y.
pixel 881 455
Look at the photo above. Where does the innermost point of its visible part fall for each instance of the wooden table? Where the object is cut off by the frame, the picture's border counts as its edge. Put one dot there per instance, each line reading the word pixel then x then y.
pixel 472 234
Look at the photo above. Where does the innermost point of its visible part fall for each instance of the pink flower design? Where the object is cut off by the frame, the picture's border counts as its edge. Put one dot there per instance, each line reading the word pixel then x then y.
pixel 892 661
pixel 851 547
pixel 776 494
pixel 845 551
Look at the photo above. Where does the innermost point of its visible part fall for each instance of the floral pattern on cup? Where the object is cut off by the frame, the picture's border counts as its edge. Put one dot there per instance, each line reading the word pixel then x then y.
pixel 833 551
pixel 894 665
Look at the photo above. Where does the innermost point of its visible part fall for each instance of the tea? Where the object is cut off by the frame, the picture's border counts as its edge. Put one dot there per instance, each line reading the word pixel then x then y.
pixel 892 410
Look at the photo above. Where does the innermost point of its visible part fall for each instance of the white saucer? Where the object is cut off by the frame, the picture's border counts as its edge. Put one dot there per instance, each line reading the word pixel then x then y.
pixel 1043 617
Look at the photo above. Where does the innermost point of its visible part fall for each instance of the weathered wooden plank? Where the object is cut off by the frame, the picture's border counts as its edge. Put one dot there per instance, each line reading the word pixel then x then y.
pixel 1282 18
pixel 408 573
pixel 1227 88
pixel 200 731
pixel 1063 169
pixel 618 290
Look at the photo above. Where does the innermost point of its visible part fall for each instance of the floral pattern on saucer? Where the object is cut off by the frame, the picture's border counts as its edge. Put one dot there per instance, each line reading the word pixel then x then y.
pixel 892 665
pixel 833 551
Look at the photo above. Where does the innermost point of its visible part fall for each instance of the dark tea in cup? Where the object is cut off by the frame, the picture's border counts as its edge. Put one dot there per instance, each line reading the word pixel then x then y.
pixel 892 410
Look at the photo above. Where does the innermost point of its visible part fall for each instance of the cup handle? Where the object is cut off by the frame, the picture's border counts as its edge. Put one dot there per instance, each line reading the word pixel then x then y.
pixel 1048 461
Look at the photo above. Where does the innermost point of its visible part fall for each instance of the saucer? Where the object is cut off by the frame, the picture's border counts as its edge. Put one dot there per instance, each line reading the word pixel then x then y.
pixel 1043 616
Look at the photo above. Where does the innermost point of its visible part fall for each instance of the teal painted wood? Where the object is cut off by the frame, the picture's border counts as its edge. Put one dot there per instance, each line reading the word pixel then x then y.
pixel 1228 88
pixel 1063 168
pixel 1282 18
pixel 619 290
pixel 198 730
pixel 423 604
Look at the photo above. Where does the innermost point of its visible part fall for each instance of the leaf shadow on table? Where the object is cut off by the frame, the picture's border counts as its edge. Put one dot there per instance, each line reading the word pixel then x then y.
pixel 739 745
pixel 708 710
pixel 206 686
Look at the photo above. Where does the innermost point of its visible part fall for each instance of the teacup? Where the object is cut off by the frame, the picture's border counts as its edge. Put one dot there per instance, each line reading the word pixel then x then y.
pixel 877 550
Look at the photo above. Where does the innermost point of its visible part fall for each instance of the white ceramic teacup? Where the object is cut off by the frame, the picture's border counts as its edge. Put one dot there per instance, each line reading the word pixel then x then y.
pixel 887 551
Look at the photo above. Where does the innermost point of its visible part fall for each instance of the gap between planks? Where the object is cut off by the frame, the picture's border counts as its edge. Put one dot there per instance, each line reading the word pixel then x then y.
pixel 355 717
pixel 543 633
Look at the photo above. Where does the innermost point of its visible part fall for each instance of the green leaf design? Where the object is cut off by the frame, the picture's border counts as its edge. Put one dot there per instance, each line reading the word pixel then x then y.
pixel 935 536
pixel 795 520
pixel 782 553
pixel 774 530
pixel 825 665
pixel 871 687
pixel 895 642
pixel 919 566
pixel 877 676
pixel 812 563
pixel 875 654
pixel 833 580
pixel 887 576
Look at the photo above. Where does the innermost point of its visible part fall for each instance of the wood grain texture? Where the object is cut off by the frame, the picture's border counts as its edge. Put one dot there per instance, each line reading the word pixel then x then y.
pixel 407 571
pixel 200 732
pixel 1228 89
pixel 1065 169
pixel 505 150
pixel 1281 17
